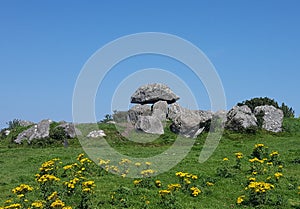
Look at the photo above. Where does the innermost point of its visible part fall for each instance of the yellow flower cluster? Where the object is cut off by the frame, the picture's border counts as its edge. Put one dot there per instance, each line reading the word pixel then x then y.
pixel 259 187
pixel 186 175
pixel 71 184
pixel 278 175
pixel 136 182
pixel 252 179
pixel 137 164
pixel 46 177
pixel 147 172
pixel 85 160
pixel 68 167
pixel 238 155
pixel 37 204
pixel 104 162
pixel 259 145
pixel 124 161
pixel 164 192
pixel 12 206
pixel 257 160
pixel 274 153
pixel 57 204
pixel 22 189
pixel 240 199
pixel 195 191
pixel 225 159
pixel 88 186
pixel 174 187
pixel 209 183
pixel 80 156
pixel 53 196
pixel 158 183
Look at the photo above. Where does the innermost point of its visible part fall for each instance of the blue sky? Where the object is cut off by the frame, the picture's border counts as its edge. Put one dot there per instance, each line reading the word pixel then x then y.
pixel 254 46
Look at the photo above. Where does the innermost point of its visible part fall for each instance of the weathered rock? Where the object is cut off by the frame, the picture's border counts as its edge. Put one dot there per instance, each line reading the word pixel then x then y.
pixel 69 129
pixel 6 132
pixel 272 117
pixel 38 131
pixel 151 93
pixel 187 124
pixel 149 124
pixel 96 134
pixel 240 118
pixel 160 110
pixel 204 116
pixel 138 110
pixel 25 123
pixel 174 111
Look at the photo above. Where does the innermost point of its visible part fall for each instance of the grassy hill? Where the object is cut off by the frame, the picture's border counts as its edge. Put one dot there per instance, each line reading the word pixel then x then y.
pixel 221 182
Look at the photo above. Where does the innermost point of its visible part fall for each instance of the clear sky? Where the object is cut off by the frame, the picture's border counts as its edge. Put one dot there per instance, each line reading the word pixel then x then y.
pixel 253 44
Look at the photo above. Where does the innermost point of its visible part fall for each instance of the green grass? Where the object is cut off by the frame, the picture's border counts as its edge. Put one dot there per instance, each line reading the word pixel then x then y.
pixel 19 164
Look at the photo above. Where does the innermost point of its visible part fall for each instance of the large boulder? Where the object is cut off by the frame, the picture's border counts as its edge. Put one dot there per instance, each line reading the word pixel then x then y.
pixel 151 93
pixel 240 118
pixel 160 110
pixel 149 124
pixel 69 129
pixel 38 131
pixel 271 117
pixel 187 125
pixel 138 110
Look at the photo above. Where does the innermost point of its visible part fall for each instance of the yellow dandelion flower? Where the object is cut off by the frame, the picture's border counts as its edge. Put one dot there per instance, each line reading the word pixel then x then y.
pixel 137 164
pixel 164 192
pixel 240 199
pixel 158 183
pixel 209 183
pixel 136 182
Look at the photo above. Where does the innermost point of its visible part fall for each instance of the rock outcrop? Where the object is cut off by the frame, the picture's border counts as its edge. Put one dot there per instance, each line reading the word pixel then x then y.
pixel 240 118
pixel 68 128
pixel 138 110
pixel 96 134
pixel 187 124
pixel 151 93
pixel 271 117
pixel 25 123
pixel 160 110
pixel 38 131
pixel 150 125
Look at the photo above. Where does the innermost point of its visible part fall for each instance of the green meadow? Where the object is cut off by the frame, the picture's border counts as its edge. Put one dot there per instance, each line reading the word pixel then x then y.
pixel 258 170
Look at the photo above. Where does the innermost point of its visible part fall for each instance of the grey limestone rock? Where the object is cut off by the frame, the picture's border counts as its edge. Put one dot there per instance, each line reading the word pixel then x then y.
pixel 151 93
pixel 240 117
pixel 160 110
pixel 138 110
pixel 149 124
pixel 25 123
pixel 38 131
pixel 187 124
pixel 69 129
pixel 272 117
